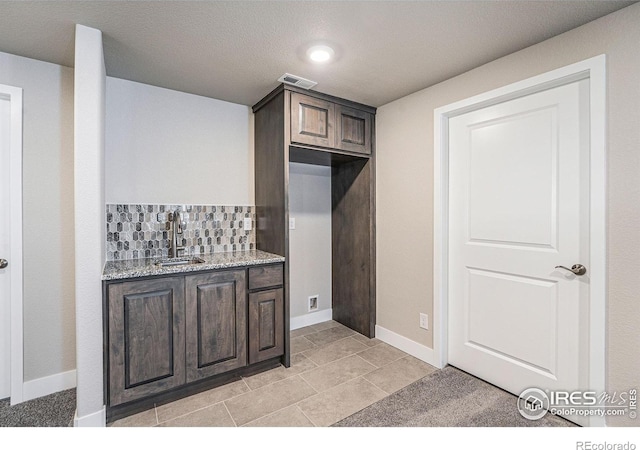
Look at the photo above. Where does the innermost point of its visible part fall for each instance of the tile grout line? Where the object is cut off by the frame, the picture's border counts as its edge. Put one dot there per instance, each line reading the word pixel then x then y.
pixel 386 394
pixel 284 407
pixel 334 387
pixel 229 412
pixel 355 378
pixel 307 383
pixel 204 407
pixel 337 360
pixel 247 385
pixel 331 343
pixel 304 414
pixel 376 387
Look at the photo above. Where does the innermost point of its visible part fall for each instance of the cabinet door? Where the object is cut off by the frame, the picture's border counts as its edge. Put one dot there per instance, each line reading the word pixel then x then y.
pixel 353 130
pixel 312 121
pixel 216 323
pixel 266 332
pixel 146 338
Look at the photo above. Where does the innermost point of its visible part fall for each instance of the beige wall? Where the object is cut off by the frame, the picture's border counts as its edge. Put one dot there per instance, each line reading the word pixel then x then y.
pixel 405 184
pixel 48 226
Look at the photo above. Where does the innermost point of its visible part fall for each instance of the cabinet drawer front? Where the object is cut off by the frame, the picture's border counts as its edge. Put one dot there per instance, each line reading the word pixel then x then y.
pixel 146 338
pixel 312 121
pixel 265 276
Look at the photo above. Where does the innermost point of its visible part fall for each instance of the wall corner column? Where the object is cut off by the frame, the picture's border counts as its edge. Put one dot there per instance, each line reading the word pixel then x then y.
pixel 89 116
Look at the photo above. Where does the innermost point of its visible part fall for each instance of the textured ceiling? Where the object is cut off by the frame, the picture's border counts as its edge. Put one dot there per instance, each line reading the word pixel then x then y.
pixel 236 50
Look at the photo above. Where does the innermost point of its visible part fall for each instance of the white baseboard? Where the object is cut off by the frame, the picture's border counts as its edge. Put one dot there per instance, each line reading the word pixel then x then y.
pixel 48 385
pixel 96 419
pixel 419 351
pixel 310 319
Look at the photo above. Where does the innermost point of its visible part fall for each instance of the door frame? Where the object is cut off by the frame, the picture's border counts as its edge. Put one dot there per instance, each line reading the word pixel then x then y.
pixel 593 69
pixel 14 95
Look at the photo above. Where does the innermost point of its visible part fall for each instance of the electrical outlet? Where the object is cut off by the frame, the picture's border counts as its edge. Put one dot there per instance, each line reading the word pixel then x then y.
pixel 292 223
pixel 247 224
pixel 313 303
pixel 424 321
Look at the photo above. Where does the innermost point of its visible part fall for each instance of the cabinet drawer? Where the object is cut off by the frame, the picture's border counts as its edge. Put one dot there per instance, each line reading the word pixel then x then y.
pixel 265 276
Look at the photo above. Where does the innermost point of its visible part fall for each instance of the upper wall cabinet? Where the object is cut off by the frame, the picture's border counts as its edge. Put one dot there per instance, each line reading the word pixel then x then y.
pixel 353 129
pixel 323 123
pixel 312 121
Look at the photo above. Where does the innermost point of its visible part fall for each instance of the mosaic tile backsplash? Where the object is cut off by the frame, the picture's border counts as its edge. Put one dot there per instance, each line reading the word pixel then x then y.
pixel 143 231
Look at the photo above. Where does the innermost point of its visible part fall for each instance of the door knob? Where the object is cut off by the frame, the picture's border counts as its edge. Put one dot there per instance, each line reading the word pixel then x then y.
pixel 576 269
pixel 3 263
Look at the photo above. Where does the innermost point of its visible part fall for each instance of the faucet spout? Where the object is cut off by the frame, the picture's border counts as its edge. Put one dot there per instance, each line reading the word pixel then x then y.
pixel 176 229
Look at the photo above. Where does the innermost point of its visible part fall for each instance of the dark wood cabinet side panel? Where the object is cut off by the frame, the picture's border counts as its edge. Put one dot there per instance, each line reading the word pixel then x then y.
pixel 270 162
pixel 353 304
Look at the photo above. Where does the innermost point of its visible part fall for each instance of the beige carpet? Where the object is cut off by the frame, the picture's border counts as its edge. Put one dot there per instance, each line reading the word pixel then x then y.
pixel 55 410
pixel 448 398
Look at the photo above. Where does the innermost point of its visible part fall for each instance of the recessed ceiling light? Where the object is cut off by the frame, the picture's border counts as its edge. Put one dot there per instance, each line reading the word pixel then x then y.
pixel 320 53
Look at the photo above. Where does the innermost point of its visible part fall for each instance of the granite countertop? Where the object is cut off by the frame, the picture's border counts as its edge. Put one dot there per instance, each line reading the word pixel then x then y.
pixel 135 268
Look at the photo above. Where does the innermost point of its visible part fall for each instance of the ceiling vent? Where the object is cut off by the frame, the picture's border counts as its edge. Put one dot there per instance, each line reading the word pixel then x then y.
pixel 295 80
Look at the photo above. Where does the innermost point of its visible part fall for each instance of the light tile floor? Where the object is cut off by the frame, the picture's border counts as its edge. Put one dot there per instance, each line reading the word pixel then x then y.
pixel 334 373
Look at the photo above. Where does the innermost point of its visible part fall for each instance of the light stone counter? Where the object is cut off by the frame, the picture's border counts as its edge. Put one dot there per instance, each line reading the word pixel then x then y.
pixel 136 268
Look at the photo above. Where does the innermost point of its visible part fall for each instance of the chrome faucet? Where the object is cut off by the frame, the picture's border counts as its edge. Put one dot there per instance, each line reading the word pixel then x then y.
pixel 177 227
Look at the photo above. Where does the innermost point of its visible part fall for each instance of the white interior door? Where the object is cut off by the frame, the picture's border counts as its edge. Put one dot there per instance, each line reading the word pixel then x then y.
pixel 5 298
pixel 518 207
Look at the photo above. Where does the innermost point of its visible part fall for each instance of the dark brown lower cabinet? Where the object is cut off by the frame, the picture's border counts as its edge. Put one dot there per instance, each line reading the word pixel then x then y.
pixel 146 338
pixel 168 332
pixel 266 332
pixel 216 323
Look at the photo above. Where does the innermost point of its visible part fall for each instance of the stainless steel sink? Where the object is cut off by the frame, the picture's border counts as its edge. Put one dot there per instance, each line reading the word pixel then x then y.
pixel 181 261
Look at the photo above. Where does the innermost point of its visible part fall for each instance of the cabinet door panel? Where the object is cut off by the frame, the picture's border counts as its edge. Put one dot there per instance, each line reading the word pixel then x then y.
pixel 312 121
pixel 353 129
pixel 216 323
pixel 149 332
pixel 146 338
pixel 266 332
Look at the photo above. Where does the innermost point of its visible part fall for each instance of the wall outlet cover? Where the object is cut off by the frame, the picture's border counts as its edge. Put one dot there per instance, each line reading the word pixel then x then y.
pixel 247 224
pixel 313 303
pixel 424 321
pixel 292 223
